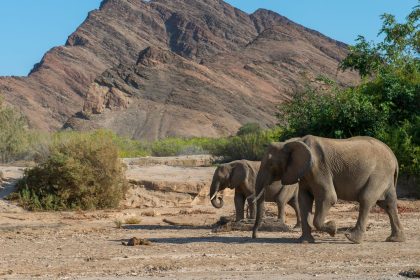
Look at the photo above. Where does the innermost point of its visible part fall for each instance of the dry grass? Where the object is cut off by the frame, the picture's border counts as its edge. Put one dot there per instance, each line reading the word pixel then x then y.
pixel 118 223
pixel 176 223
pixel 195 212
pixel 132 221
pixel 150 213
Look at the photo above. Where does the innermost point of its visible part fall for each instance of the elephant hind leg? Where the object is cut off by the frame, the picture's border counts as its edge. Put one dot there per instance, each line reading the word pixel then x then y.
pixel 356 234
pixel 239 206
pixel 295 205
pixel 390 207
pixel 281 205
pixel 367 198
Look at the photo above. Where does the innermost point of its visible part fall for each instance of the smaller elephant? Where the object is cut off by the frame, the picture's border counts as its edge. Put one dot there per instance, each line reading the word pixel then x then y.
pixel 241 175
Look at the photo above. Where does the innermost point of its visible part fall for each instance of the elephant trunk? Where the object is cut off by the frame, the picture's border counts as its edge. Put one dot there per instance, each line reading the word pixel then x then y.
pixel 217 202
pixel 263 180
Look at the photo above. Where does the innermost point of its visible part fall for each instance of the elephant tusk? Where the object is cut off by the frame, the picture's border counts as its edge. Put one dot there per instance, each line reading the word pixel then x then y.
pixel 259 196
pixel 214 195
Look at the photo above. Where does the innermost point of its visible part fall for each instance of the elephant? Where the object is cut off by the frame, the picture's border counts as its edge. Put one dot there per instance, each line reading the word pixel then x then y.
pixel 361 169
pixel 241 175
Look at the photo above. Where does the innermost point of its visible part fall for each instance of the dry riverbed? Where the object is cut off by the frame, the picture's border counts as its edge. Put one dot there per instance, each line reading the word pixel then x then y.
pixel 89 245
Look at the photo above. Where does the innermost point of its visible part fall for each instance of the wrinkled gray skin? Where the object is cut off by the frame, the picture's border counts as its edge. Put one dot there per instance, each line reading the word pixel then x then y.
pixel 241 176
pixel 360 169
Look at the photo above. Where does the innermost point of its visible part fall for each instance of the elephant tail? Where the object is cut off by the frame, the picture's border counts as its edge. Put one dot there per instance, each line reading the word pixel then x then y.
pixel 396 176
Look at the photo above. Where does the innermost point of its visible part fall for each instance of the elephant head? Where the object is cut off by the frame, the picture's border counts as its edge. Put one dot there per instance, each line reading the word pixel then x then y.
pixel 221 180
pixel 283 161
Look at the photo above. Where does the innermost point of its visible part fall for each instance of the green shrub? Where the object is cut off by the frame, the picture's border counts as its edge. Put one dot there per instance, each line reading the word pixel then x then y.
pixel 183 146
pixel 14 134
pixel 82 171
pixel 129 148
pixel 249 146
pixel 249 128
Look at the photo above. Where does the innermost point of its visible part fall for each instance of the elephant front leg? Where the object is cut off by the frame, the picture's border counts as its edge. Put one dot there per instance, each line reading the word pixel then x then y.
pixel 239 206
pixel 305 204
pixel 322 206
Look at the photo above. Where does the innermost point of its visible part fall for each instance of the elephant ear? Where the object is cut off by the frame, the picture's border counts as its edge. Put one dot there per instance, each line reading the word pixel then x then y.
pixel 299 162
pixel 238 174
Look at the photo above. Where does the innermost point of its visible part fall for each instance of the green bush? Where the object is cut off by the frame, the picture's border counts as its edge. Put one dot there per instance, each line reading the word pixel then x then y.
pixel 249 128
pixel 249 146
pixel 14 134
pixel 183 146
pixel 129 148
pixel 82 171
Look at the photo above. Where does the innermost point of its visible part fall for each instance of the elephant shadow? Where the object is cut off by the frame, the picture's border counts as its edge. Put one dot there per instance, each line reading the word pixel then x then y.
pixel 165 227
pixel 235 240
pixel 225 239
pixel 217 239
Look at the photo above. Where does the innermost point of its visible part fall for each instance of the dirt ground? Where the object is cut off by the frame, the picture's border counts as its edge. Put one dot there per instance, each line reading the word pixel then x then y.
pixel 88 245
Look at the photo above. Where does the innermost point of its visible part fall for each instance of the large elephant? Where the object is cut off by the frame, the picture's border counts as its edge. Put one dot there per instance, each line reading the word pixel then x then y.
pixel 360 169
pixel 241 176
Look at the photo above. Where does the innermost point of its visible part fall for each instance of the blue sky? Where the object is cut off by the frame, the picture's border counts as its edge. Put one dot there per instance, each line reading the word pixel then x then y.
pixel 29 28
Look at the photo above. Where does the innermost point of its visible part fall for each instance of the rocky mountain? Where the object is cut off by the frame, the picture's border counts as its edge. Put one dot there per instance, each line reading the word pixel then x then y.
pixel 151 69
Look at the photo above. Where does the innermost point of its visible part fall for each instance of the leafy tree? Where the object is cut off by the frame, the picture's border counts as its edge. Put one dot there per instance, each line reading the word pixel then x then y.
pixel 399 49
pixel 393 67
pixel 337 114
pixel 385 105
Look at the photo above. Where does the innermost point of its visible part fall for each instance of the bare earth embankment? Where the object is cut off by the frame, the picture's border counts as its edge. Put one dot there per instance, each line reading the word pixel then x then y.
pixel 88 245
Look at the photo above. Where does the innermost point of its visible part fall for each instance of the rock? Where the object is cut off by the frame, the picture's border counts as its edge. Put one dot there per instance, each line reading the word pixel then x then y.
pixel 137 242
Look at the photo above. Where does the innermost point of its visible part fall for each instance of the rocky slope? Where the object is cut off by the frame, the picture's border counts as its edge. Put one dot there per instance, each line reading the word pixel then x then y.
pixel 151 69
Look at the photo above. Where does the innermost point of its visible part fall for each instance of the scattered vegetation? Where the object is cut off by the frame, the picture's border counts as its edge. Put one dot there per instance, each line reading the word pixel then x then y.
pixel 248 144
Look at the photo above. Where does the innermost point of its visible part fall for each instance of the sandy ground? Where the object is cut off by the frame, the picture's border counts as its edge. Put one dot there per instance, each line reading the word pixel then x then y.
pixel 88 245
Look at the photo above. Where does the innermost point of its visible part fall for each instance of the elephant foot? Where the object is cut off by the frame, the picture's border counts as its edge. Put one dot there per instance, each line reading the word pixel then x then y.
pixel 281 223
pixel 254 235
pixel 331 228
pixel 239 219
pixel 304 239
pixel 397 237
pixel 355 236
